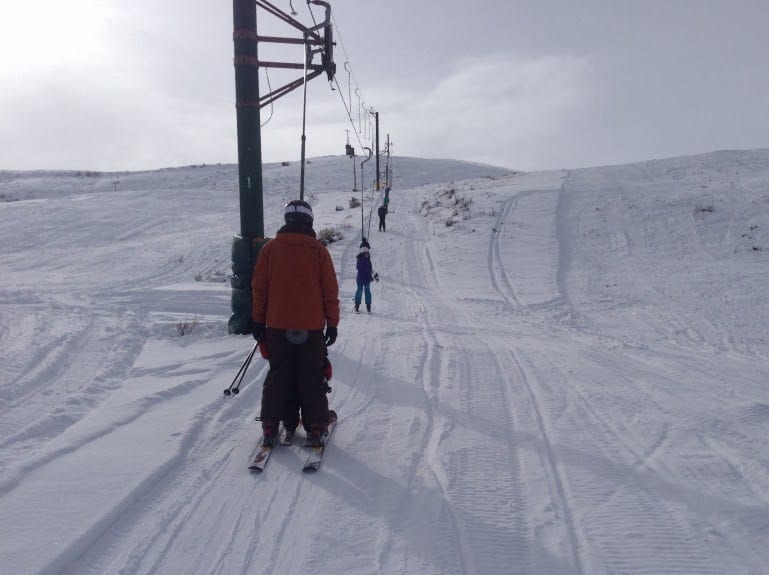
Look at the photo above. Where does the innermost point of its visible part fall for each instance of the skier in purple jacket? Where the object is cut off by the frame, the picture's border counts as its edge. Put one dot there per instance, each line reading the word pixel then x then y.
pixel 364 277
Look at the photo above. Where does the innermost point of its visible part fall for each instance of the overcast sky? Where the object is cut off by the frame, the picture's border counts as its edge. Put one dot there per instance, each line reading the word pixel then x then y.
pixel 539 84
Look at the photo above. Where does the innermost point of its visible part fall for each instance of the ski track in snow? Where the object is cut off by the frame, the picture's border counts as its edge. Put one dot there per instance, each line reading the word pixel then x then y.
pixel 487 470
pixel 497 273
pixel 536 390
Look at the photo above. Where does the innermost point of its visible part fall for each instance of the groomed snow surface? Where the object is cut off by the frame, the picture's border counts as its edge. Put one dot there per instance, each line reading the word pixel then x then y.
pixel 564 373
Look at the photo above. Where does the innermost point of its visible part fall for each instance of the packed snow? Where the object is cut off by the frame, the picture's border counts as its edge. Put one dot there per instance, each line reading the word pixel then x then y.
pixel 564 373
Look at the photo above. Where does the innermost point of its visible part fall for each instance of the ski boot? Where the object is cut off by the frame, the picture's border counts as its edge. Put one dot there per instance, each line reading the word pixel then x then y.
pixel 270 435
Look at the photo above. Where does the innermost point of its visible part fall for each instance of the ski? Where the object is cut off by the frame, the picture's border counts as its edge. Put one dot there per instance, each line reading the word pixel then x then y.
pixel 315 457
pixel 259 462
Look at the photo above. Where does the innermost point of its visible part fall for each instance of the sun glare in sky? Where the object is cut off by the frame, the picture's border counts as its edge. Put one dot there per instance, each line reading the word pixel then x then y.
pixel 53 33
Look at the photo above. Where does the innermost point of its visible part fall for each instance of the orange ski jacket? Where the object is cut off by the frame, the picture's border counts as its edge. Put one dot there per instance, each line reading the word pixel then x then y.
pixel 294 284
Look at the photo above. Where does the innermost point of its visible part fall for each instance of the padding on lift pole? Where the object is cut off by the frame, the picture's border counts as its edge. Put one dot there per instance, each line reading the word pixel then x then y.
pixel 245 252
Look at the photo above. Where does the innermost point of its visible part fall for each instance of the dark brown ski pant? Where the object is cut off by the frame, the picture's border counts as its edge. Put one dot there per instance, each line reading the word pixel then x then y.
pixel 295 374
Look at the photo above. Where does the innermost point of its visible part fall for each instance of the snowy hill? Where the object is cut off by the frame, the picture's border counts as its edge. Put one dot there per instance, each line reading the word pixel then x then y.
pixel 564 373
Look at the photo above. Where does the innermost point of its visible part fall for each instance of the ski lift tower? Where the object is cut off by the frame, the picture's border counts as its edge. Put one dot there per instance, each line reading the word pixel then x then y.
pixel 317 39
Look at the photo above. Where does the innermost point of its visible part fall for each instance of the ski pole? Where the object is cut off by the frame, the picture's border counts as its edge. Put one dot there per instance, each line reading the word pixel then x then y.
pixel 235 385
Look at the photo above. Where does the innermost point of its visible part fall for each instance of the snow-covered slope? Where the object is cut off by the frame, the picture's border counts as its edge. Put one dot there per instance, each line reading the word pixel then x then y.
pixel 565 372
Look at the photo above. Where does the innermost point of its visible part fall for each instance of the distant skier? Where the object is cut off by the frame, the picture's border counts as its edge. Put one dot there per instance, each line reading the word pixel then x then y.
pixel 382 211
pixel 364 278
pixel 295 294
pixel 364 243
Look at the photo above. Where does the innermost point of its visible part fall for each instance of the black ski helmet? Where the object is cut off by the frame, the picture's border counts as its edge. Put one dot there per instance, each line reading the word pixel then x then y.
pixel 298 212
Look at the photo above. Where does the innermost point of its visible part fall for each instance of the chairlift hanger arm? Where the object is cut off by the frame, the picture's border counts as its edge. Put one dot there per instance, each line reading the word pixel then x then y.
pixel 291 86
pixel 370 153
pixel 282 40
pixel 327 20
pixel 313 41
pixel 311 37
pixel 291 66
pixel 278 13
pixel 267 99
pixel 327 51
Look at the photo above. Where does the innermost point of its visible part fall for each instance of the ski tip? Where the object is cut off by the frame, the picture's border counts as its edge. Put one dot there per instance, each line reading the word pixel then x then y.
pixel 255 470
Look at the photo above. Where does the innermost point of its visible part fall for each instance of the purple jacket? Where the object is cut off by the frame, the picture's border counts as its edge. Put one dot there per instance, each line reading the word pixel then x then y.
pixel 363 265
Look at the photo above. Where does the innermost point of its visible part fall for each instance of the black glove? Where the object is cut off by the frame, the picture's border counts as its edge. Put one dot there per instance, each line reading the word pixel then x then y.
pixel 376 277
pixel 330 336
pixel 258 331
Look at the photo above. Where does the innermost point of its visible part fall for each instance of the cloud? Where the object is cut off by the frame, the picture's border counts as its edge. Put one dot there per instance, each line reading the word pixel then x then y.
pixel 136 85
pixel 44 35
pixel 504 110
pixel 81 122
pixel 111 89
pixel 494 109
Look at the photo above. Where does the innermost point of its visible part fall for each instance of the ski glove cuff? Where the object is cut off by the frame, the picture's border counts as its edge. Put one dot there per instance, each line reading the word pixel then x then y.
pixel 330 337
pixel 258 331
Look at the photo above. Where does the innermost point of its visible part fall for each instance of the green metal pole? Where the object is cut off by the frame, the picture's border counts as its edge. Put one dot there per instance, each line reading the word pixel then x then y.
pixel 248 119
pixel 246 246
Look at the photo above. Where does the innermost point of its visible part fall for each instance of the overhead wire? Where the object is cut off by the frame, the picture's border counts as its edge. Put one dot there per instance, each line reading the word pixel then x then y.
pixel 351 72
pixel 348 110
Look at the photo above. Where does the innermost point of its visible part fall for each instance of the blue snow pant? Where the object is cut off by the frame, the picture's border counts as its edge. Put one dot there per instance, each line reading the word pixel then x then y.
pixel 363 287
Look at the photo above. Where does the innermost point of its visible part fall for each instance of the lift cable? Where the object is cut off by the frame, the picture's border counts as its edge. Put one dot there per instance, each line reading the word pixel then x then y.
pixel 272 107
pixel 348 111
